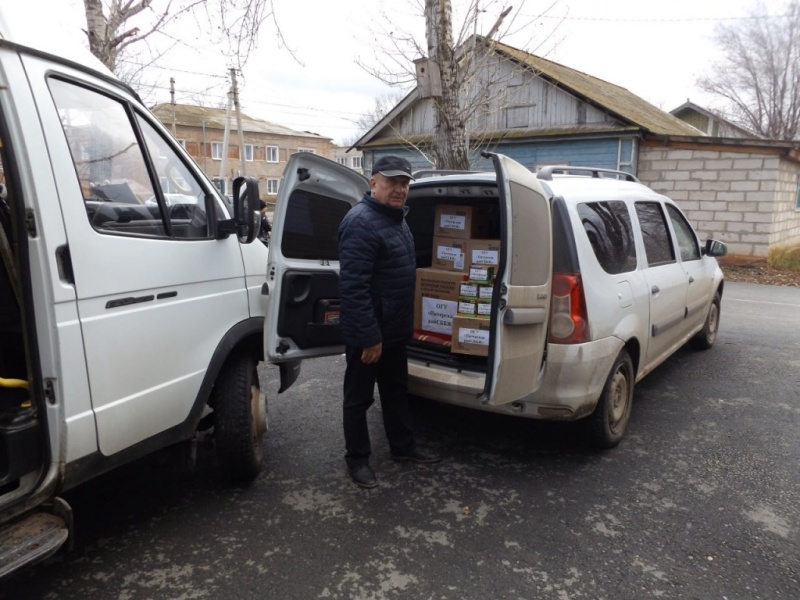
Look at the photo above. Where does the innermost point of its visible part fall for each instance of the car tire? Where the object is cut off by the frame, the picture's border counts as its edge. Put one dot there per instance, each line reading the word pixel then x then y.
pixel 240 418
pixel 706 337
pixel 608 422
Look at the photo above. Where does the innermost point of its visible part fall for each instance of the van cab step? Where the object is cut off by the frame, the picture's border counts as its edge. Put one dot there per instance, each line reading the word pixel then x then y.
pixel 31 539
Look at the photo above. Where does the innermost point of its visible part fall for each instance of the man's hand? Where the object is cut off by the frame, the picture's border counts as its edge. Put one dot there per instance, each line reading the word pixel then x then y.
pixel 372 354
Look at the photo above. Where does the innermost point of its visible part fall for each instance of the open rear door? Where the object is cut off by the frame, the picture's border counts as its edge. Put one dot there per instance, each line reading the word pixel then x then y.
pixel 303 272
pixel 521 308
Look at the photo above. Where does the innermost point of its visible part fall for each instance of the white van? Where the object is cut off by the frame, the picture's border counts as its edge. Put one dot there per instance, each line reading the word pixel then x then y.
pixel 599 280
pixel 131 313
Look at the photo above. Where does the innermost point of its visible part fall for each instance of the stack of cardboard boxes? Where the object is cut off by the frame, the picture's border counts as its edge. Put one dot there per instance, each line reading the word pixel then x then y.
pixel 454 296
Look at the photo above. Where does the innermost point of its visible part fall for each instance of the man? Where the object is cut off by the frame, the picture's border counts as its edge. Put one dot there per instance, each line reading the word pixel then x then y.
pixel 376 284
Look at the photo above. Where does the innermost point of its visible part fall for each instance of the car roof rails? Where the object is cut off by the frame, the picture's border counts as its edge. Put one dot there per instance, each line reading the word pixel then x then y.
pixel 423 173
pixel 546 173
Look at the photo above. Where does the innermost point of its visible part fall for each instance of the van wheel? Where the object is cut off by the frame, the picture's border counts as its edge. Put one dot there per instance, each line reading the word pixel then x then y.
pixel 610 418
pixel 706 337
pixel 240 418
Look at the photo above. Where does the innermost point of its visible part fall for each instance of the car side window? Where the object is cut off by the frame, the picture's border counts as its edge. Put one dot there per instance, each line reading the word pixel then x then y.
pixel 655 233
pixel 608 227
pixel 687 240
pixel 114 169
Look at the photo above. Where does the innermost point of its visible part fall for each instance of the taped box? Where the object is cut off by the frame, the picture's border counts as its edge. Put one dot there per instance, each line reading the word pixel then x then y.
pixel 436 299
pixel 483 253
pixel 471 336
pixel 462 222
pixel 449 253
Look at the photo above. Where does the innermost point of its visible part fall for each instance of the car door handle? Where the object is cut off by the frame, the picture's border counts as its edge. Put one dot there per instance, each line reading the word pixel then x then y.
pixel 654 290
pixel 691 279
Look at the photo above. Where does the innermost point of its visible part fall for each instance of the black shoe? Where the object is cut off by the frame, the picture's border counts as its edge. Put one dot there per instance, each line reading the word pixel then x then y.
pixel 418 456
pixel 363 476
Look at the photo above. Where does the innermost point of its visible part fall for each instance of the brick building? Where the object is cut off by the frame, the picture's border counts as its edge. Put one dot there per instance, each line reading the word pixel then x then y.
pixel 267 146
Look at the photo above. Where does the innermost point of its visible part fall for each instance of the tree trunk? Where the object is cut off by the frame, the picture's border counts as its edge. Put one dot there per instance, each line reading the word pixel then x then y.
pixel 449 141
pixel 97 31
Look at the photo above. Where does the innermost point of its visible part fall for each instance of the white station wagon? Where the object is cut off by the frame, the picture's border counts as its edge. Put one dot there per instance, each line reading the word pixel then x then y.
pixel 600 279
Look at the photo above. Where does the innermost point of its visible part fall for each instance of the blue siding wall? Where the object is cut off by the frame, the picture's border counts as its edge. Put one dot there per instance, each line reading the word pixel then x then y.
pixel 608 153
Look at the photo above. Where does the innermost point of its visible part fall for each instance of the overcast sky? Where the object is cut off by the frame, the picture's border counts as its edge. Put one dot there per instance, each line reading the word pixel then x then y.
pixel 654 49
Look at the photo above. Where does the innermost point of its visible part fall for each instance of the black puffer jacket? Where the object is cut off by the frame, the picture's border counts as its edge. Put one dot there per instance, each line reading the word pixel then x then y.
pixel 377 275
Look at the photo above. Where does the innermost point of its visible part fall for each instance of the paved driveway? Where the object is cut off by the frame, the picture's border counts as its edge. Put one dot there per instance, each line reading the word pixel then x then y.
pixel 701 500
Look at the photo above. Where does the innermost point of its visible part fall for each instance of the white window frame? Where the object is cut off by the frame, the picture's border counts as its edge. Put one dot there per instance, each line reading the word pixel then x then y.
pixel 273 186
pixel 355 162
pixel 342 160
pixel 216 150
pixel 309 150
pixel 248 152
pixel 270 150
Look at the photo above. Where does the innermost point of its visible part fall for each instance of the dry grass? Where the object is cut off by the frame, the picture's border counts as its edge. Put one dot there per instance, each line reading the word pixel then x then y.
pixel 786 258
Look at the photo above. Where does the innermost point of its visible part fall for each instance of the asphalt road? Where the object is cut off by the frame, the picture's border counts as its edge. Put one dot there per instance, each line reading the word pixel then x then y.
pixel 700 501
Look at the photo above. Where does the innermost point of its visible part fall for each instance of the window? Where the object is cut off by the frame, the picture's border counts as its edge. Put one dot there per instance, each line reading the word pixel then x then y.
pixel 182 143
pixel 687 240
pixel 272 186
pixel 355 162
pixel 122 195
pixel 272 154
pixel 608 227
pixel 657 243
pixel 309 150
pixel 216 150
pixel 342 161
pixel 311 226
pixel 797 200
pixel 248 152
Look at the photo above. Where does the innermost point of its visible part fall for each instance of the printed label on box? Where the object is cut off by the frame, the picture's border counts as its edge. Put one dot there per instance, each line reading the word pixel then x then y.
pixel 450 254
pixel 437 315
pixel 467 335
pixel 453 222
pixel 485 292
pixel 466 307
pixel 485 257
pixel 480 273
pixel 484 309
pixel 469 290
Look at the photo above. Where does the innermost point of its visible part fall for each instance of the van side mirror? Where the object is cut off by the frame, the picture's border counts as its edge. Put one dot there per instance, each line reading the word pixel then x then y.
pixel 246 221
pixel 715 248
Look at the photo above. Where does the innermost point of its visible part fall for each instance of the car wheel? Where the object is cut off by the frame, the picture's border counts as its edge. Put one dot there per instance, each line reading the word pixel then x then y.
pixel 610 418
pixel 706 337
pixel 240 417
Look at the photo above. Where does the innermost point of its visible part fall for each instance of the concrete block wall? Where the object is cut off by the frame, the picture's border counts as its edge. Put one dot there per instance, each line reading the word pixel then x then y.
pixel 743 199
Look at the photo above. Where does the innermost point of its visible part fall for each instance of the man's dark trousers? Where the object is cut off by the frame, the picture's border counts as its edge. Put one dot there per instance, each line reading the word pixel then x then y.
pixel 391 373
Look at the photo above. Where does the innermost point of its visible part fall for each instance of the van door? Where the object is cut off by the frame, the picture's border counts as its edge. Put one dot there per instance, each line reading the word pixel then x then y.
pixel 155 290
pixel 303 273
pixel 521 304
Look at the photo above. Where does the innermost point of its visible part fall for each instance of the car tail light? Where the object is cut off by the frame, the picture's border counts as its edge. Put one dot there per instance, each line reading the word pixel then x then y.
pixel 569 323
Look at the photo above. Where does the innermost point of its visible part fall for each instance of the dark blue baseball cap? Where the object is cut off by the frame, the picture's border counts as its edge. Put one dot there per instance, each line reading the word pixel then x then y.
pixel 392 166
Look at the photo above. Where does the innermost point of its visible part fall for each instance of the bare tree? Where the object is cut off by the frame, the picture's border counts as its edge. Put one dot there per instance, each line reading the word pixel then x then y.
pixel 113 26
pixel 759 76
pixel 459 62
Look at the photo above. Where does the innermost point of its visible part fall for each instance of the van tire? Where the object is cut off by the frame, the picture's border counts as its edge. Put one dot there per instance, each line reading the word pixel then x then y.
pixel 240 417
pixel 608 422
pixel 706 337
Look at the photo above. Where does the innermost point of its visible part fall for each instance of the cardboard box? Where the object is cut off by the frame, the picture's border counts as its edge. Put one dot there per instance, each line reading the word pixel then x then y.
pixel 467 307
pixel 461 222
pixel 483 253
pixel 485 292
pixel 449 253
pixel 484 309
pixel 481 274
pixel 436 299
pixel 469 289
pixel 471 336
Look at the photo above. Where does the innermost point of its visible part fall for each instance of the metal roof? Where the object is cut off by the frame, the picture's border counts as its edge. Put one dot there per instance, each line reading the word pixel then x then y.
pixel 214 118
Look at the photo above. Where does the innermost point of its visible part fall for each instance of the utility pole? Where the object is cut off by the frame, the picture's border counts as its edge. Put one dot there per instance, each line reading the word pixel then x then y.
pixel 224 162
pixel 172 101
pixel 238 121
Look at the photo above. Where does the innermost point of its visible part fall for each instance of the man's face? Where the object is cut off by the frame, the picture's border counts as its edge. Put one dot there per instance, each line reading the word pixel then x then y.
pixel 391 191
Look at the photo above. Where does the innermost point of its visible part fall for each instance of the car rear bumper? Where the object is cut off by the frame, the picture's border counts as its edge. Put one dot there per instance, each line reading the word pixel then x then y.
pixel 571 382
